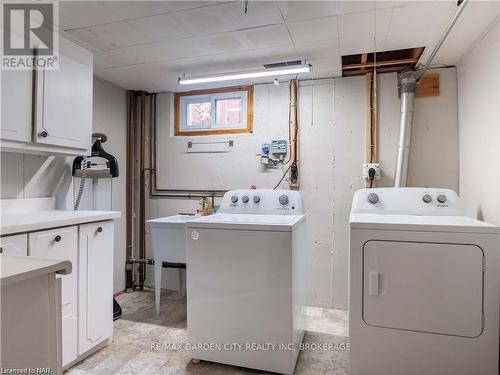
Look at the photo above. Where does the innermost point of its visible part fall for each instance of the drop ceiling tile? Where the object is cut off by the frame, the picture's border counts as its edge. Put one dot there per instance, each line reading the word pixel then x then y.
pixel 406 39
pixel 260 13
pixel 161 27
pixel 120 34
pixel 345 7
pixel 314 30
pixel 268 36
pixel 321 49
pixel 294 11
pixel 361 44
pixel 150 52
pixel 427 14
pixel 207 20
pixel 383 19
pixel 87 39
pixel 115 58
pixel 357 24
pixel 135 9
pixel 77 14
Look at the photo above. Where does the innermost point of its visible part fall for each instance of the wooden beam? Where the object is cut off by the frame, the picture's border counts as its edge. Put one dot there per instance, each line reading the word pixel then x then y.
pixel 380 64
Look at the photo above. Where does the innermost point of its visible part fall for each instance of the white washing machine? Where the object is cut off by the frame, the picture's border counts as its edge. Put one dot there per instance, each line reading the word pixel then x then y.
pixel 246 281
pixel 424 285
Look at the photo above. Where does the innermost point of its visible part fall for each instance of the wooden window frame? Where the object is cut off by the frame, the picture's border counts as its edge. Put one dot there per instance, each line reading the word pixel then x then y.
pixel 222 90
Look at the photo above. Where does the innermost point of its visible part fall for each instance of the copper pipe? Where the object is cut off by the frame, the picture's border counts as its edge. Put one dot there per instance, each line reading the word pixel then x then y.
pixel 130 186
pixel 142 193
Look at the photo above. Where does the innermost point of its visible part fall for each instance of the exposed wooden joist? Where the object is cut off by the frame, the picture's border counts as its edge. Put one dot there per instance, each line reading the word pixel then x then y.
pixel 380 64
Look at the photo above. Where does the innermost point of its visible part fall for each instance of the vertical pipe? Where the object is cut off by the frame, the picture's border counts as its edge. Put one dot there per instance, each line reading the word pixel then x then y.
pixel 407 84
pixel 130 186
pixel 142 199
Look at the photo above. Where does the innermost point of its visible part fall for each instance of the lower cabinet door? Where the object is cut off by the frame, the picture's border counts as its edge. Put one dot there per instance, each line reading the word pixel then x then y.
pixel 95 306
pixel 62 243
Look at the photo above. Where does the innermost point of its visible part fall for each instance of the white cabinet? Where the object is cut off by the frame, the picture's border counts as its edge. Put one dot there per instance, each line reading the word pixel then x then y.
pixel 53 114
pixel 95 280
pixel 64 105
pixel 62 244
pixel 17 105
pixel 14 245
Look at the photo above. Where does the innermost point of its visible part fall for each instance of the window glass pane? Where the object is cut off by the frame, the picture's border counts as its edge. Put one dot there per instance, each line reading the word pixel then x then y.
pixel 199 114
pixel 228 111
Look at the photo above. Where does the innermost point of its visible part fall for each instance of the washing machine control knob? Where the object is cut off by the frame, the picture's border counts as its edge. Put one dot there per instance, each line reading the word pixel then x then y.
pixel 372 198
pixel 256 199
pixel 442 198
pixel 427 198
pixel 244 199
pixel 234 199
pixel 283 199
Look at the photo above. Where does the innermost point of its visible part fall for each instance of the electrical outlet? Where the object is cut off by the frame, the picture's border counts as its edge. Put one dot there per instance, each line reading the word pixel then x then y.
pixel 366 168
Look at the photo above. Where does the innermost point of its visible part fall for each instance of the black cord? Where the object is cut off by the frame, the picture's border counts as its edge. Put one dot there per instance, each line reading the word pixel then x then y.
pixel 283 177
pixel 246 6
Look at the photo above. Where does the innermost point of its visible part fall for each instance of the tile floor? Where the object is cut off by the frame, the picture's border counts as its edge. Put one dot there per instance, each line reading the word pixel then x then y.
pixel 130 351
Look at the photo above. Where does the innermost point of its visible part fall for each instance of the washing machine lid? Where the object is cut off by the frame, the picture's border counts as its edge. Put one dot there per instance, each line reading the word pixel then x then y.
pixel 279 223
pixel 457 224
pixel 176 221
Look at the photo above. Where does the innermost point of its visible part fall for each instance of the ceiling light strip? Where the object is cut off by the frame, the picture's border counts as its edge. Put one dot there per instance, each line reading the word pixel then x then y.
pixel 247 75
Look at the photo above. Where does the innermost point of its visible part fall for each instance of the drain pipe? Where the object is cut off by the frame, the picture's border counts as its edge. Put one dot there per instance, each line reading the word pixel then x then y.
pixel 408 83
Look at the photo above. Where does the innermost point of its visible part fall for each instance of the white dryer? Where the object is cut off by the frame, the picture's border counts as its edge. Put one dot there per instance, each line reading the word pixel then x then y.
pixel 246 281
pixel 423 285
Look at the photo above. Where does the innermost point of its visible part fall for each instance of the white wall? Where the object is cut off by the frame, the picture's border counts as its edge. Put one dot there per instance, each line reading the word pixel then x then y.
pixel 332 120
pixel 110 118
pixel 479 123
pixel 241 168
pixel 33 176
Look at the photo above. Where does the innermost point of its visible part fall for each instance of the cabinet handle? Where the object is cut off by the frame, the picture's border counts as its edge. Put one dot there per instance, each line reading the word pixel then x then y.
pixel 1 250
pixel 57 238
pixel 44 134
pixel 99 230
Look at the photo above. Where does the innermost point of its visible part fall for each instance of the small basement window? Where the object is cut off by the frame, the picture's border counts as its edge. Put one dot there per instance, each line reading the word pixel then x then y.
pixel 226 110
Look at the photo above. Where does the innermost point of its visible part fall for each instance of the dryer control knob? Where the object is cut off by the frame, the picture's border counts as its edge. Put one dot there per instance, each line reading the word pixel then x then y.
pixel 442 198
pixel 234 199
pixel 283 199
pixel 244 199
pixel 427 198
pixel 256 199
pixel 372 198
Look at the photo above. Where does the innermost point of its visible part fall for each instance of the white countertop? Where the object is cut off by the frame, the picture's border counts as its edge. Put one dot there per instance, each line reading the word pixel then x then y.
pixel 14 269
pixel 11 223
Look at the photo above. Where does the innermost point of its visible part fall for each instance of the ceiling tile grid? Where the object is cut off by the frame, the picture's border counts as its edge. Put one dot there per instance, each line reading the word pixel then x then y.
pixel 153 42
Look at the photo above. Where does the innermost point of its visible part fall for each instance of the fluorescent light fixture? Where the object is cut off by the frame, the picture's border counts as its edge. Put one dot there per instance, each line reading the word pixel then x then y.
pixel 246 75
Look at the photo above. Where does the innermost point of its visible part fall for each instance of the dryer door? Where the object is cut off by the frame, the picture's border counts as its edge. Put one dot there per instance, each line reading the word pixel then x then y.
pixel 426 287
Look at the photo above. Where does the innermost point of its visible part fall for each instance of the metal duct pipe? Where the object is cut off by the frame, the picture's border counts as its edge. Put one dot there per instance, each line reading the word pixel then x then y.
pixel 407 85
pixel 441 40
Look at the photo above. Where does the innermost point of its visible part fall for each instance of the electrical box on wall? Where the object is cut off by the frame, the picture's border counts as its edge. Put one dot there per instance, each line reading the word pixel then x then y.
pixel 274 153
pixel 279 146
pixel 371 171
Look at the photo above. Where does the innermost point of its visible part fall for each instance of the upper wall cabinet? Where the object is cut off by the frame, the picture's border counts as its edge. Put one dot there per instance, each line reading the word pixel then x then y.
pixel 53 115
pixel 17 104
